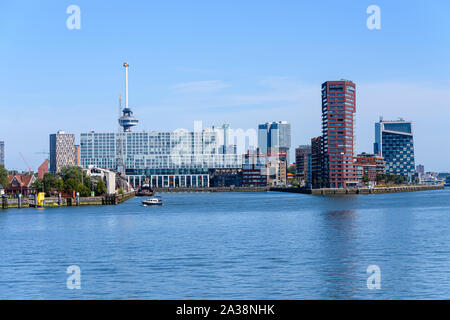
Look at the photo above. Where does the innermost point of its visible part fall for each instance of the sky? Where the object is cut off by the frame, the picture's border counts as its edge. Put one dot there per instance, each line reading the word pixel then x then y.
pixel 237 62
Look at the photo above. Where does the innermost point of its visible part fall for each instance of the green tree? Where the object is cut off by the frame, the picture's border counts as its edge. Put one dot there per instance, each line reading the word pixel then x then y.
pixel 380 177
pixel 72 172
pixel 291 169
pixel 100 188
pixel 83 190
pixel 365 179
pixel 3 176
pixel 50 182
pixel 60 185
pixel 70 185
pixel 38 185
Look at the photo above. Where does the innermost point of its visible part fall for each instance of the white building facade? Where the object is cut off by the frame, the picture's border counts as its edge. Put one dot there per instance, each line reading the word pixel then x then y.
pixel 179 158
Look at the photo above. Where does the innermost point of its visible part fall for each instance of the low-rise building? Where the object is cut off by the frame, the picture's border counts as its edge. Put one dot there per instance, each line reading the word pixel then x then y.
pixel 20 184
pixel 225 177
pixel 262 170
pixel 369 166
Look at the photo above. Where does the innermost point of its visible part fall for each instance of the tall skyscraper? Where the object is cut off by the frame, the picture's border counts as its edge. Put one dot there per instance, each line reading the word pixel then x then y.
pixel 394 141
pixel 338 121
pixel 2 152
pixel 62 151
pixel 274 135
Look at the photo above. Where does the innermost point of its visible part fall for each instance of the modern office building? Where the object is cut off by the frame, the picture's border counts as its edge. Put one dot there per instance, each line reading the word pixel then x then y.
pixel 394 141
pixel 338 133
pixel 274 135
pixel 62 151
pixel 166 159
pixel 2 153
pixel 301 163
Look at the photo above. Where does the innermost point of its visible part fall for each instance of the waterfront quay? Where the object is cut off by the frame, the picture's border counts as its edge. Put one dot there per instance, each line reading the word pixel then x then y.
pixel 67 202
pixel 377 190
pixel 322 191
pixel 214 189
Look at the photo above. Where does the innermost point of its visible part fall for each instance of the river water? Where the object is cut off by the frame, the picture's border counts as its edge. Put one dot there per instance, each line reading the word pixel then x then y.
pixel 232 246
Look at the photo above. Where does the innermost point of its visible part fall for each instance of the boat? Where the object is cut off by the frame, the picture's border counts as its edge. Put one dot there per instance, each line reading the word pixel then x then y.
pixel 145 191
pixel 153 201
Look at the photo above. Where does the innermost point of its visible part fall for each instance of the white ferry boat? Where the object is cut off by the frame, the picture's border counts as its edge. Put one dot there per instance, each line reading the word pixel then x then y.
pixel 153 201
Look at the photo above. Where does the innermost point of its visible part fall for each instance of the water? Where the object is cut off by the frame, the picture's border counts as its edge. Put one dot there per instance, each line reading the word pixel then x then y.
pixel 232 246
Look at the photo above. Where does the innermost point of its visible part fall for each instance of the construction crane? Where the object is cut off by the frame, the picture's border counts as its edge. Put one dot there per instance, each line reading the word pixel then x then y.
pixel 25 161
pixel 47 153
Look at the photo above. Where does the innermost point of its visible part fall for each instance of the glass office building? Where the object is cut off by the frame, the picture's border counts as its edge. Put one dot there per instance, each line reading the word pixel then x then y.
pixel 394 141
pixel 166 159
pixel 274 135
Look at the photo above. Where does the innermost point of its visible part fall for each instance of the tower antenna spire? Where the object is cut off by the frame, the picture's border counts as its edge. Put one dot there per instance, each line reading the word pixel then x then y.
pixel 127 120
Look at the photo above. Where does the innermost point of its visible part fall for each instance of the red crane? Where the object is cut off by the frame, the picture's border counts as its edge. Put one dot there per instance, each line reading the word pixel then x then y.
pixel 26 163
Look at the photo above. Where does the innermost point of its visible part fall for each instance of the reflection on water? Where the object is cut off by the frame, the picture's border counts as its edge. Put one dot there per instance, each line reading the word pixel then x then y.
pixel 232 245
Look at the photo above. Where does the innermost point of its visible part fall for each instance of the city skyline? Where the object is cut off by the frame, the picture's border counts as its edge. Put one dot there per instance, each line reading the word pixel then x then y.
pixel 75 86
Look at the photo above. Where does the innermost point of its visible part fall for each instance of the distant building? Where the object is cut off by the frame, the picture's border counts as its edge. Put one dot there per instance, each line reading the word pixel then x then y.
pixel 62 151
pixel 420 169
pixel 369 165
pixel 223 135
pixel 259 169
pixel 2 153
pixel 338 118
pixel 317 163
pixel 274 134
pixel 301 163
pixel 43 169
pixel 77 155
pixel 394 141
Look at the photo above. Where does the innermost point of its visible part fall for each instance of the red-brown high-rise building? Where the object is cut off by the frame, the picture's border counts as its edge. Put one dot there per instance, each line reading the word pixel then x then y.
pixel 338 119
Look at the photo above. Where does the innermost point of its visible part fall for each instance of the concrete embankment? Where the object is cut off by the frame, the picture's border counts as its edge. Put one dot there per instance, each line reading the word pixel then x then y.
pixel 68 202
pixel 214 189
pixel 328 191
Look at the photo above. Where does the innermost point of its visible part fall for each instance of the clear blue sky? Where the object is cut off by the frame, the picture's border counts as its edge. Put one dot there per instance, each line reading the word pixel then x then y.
pixel 237 62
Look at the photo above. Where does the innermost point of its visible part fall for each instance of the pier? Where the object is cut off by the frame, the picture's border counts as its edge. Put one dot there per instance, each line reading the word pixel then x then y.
pixel 50 202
